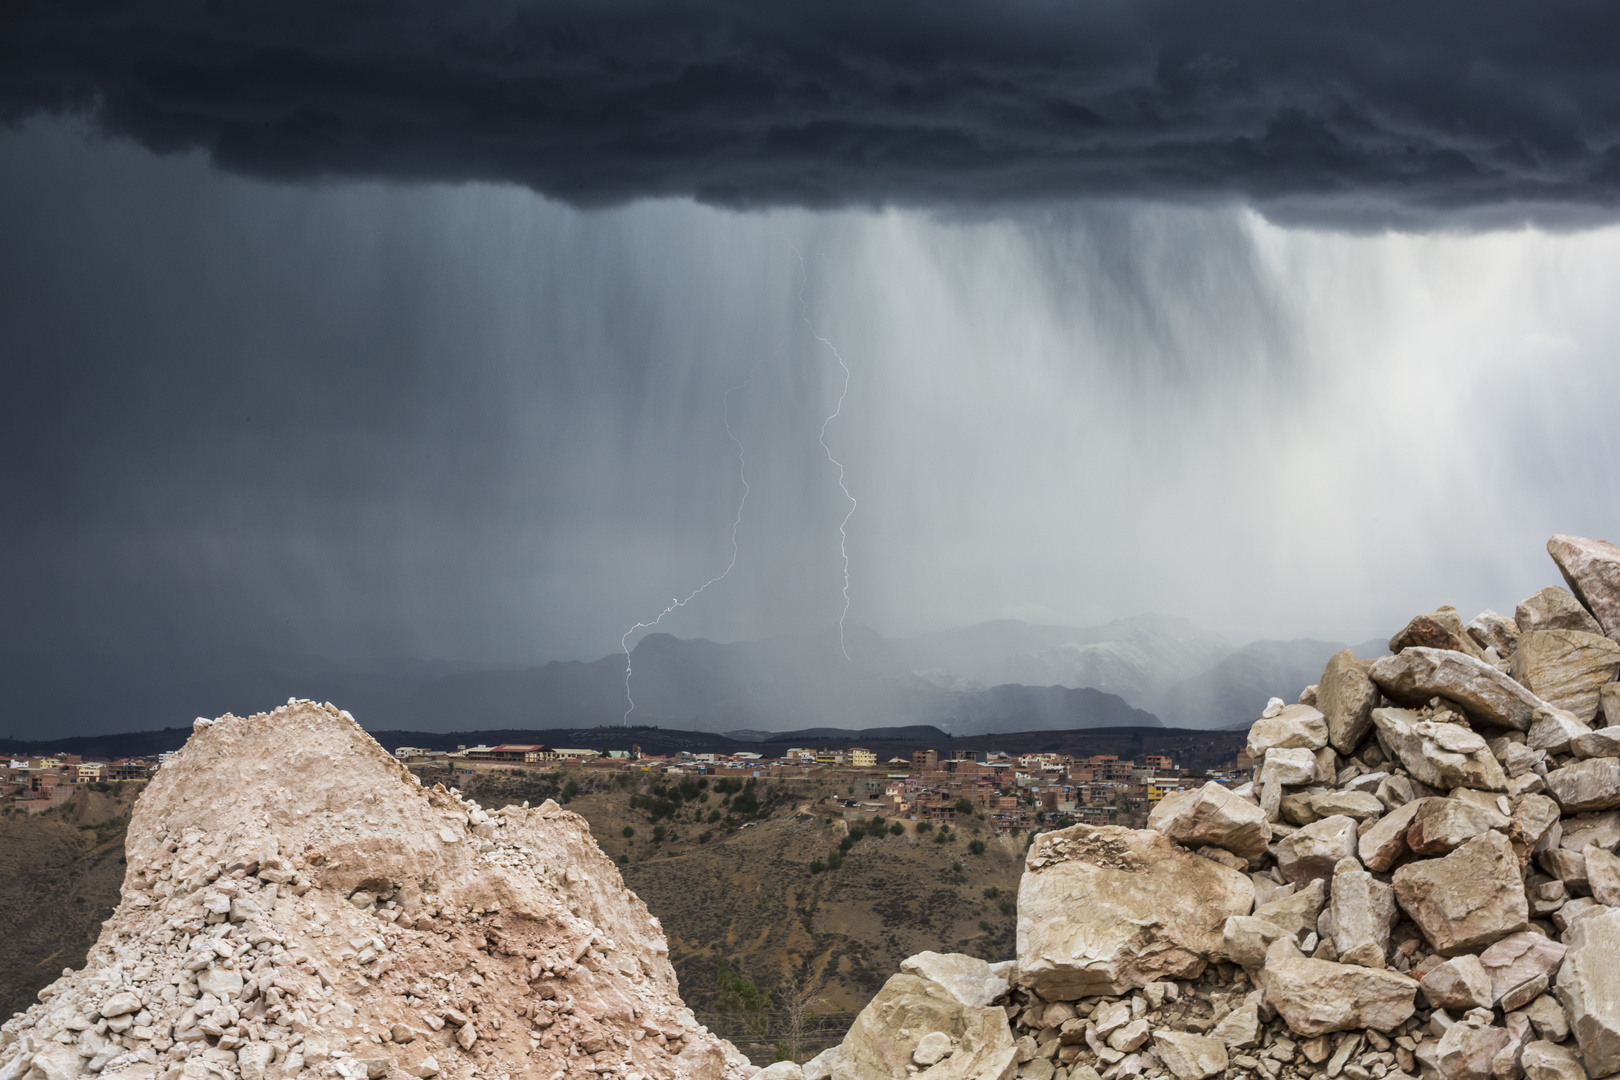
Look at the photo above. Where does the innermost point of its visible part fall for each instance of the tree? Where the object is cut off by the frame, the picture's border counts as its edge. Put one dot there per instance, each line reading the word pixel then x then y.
pixel 741 1002
pixel 964 807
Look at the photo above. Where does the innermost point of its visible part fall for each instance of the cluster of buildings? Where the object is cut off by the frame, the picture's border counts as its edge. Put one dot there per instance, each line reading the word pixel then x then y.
pixel 40 783
pixel 1011 792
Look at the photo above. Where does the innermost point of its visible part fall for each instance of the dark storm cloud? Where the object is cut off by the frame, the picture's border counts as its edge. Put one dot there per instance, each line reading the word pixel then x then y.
pixel 1368 113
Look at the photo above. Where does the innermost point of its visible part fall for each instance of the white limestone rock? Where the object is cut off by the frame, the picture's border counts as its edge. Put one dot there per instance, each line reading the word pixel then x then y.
pixel 1092 916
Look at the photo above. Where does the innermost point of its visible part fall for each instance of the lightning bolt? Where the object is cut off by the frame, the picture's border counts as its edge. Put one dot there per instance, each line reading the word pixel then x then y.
pixel 843 526
pixel 677 602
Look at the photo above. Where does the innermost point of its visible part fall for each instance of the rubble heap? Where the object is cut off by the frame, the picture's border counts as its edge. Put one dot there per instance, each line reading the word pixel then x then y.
pixel 297 905
pixel 1420 881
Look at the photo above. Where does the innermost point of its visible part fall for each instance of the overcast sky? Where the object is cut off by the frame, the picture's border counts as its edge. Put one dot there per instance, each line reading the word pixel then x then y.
pixel 423 347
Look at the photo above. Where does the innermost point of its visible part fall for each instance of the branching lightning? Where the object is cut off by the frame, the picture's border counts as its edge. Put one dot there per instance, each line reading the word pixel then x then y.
pixel 843 526
pixel 742 474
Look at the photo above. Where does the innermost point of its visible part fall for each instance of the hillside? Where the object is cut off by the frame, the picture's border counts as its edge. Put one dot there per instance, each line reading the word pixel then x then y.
pixel 59 878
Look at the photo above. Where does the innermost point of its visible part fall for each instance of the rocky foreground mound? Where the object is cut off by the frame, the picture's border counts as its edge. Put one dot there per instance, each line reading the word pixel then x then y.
pixel 297 904
pixel 1421 879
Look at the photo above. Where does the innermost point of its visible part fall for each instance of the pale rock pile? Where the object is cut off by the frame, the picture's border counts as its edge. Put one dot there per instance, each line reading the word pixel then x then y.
pixel 298 905
pixel 1421 880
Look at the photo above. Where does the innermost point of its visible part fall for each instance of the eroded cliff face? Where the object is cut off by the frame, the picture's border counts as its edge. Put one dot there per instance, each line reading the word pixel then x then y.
pixel 296 904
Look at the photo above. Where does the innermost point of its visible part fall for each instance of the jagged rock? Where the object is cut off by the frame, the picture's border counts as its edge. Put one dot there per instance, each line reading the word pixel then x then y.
pixel 1518 962
pixel 1346 698
pixel 1213 816
pixel 1467 1050
pixel 1603 875
pixel 1592 569
pixel 1290 766
pixel 1315 997
pixel 1460 983
pixel 1298 913
pixel 1588 987
pixel 1468 899
pixel 886 1034
pixel 1415 675
pixel 1383 844
pixel 1542 1060
pixel 1133 1036
pixel 1609 704
pixel 1440 755
pixel 1363 910
pixel 1294 727
pixel 246 822
pixel 1553 730
pixel 1565 668
pixel 1240 1028
pixel 1359 805
pixel 1592 784
pixel 1245 939
pixel 1534 816
pixel 1602 829
pixel 785 1070
pixel 1440 629
pixel 1492 630
pixel 1443 825
pixel 1313 851
pixel 970 980
pixel 1092 917
pixel 1554 609
pixel 1187 1056
pixel 1604 742
pixel 1547 1016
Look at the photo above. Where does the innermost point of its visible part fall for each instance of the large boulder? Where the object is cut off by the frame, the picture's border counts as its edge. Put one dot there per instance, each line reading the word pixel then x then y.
pixel 1520 967
pixel 1566 668
pixel 1493 630
pixel 1363 911
pixel 1543 1060
pixel 1104 910
pixel 1439 754
pixel 1346 697
pixel 1440 629
pixel 1295 727
pixel 1460 983
pixel 1554 609
pixel 1592 569
pixel 910 1009
pixel 1316 997
pixel 1214 816
pixel 970 980
pixel 1591 784
pixel 1443 825
pixel 1189 1056
pixel 1383 843
pixel 1313 851
pixel 1468 1049
pixel 1415 675
pixel 1589 989
pixel 1467 900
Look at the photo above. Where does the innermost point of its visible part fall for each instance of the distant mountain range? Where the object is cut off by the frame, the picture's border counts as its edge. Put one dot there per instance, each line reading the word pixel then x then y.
pixel 992 677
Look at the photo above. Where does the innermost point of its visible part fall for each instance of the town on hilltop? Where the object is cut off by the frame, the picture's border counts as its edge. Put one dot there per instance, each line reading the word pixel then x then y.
pixel 1012 792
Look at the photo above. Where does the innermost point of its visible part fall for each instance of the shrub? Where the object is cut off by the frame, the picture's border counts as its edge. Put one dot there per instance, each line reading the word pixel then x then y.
pixel 817 866
pixel 977 847
pixel 628 831
pixel 964 807
pixel 984 926
pixel 705 836
pixel 925 826
pixel 991 893
pixel 659 832
pixel 1008 907
pixel 623 859
pixel 897 829
pixel 957 866
pixel 569 790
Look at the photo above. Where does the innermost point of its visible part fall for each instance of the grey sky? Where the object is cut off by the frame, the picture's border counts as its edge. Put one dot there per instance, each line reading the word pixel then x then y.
pixel 465 421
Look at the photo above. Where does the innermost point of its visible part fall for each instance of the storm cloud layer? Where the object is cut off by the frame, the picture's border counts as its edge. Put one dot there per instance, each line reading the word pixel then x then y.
pixel 1358 115
pixel 463 422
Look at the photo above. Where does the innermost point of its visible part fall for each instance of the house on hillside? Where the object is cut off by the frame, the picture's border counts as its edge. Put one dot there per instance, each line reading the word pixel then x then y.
pixel 861 758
